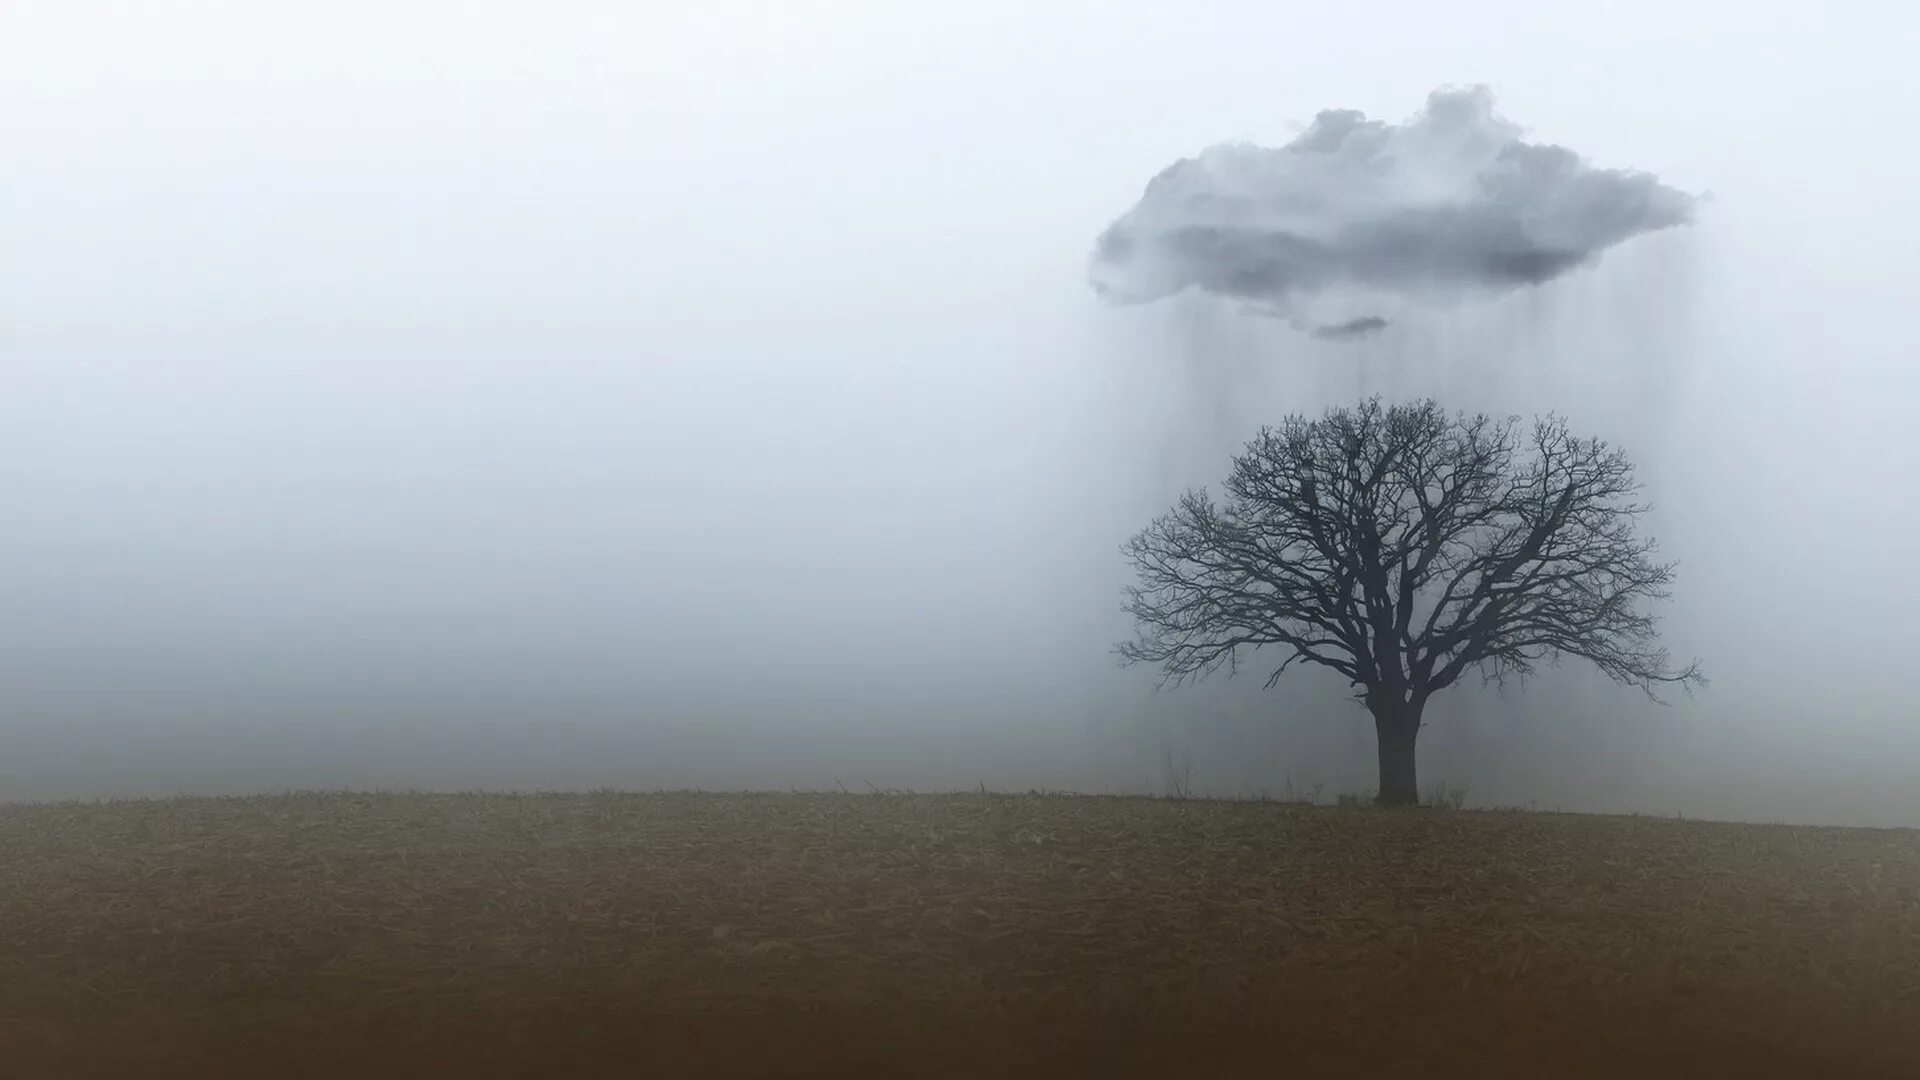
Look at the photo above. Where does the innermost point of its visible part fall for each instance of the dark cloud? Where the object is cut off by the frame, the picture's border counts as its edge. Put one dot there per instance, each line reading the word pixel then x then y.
pixel 1452 202
pixel 1352 328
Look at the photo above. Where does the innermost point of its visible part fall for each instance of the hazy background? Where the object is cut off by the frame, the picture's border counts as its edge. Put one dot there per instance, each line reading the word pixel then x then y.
pixel 668 395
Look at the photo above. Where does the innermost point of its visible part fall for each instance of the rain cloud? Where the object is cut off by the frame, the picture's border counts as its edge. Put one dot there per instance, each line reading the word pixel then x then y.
pixel 1451 204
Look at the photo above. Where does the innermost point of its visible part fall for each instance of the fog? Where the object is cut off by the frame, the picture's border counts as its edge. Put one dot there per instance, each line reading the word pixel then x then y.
pixel 457 396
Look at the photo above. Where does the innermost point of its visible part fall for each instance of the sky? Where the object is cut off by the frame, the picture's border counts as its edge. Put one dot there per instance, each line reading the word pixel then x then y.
pixel 712 395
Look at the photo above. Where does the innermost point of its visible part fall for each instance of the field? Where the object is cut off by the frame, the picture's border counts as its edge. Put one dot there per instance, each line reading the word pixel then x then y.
pixel 953 935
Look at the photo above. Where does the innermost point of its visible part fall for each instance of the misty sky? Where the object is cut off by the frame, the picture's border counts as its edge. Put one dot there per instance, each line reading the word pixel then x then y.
pixel 674 394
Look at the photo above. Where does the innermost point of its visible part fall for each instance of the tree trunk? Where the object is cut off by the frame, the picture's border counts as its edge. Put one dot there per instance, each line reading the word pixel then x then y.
pixel 1396 724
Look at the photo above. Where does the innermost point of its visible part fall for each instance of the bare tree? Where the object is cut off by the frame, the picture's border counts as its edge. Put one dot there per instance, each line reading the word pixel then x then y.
pixel 1403 547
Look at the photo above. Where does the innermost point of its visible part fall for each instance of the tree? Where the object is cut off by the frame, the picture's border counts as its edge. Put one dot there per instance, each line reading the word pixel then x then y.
pixel 1403 547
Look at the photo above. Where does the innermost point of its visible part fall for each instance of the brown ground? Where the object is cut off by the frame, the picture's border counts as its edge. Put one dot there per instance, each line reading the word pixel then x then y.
pixel 966 935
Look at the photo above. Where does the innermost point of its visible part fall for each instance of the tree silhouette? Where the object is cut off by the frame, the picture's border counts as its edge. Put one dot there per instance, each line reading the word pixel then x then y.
pixel 1403 547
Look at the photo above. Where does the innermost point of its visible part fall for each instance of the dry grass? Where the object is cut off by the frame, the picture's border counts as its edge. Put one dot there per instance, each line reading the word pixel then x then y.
pixel 701 934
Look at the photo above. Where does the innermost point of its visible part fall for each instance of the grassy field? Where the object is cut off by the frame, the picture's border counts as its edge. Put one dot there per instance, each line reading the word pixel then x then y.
pixel 953 935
